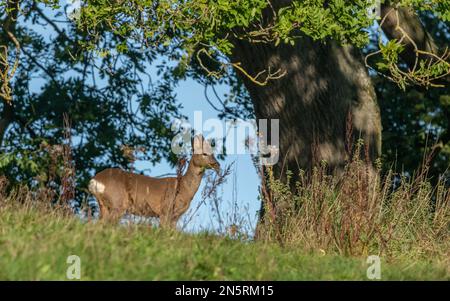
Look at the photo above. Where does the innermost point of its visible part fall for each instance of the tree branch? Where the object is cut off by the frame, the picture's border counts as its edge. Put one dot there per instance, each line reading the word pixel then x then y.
pixel 51 23
pixel 6 72
pixel 6 120
pixel 419 45
pixel 9 24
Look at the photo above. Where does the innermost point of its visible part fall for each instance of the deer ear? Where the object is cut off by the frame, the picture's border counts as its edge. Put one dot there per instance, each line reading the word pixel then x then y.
pixel 197 144
pixel 207 148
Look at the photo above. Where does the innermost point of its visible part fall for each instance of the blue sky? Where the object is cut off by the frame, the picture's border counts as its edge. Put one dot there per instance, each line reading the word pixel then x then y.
pixel 241 187
pixel 240 191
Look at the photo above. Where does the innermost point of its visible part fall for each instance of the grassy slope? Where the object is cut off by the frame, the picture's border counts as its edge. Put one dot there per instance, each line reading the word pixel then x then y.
pixel 35 246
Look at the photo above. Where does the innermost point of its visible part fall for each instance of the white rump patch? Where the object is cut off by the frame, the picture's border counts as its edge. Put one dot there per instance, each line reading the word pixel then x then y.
pixel 96 186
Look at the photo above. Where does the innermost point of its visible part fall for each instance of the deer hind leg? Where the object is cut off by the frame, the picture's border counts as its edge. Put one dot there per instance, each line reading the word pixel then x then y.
pixel 111 215
pixel 98 189
pixel 118 204
pixel 115 214
pixel 112 206
pixel 108 213
pixel 104 211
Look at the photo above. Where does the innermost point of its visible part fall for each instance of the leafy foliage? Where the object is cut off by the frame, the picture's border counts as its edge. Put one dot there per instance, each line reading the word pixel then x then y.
pixel 109 100
pixel 415 120
pixel 187 26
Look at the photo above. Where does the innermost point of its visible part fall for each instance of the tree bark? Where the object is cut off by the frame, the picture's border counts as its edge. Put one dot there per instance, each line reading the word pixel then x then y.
pixel 9 26
pixel 324 103
pixel 409 22
pixel 6 120
pixel 401 21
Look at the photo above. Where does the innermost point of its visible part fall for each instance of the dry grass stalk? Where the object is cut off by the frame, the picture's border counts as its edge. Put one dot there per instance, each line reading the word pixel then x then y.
pixel 360 213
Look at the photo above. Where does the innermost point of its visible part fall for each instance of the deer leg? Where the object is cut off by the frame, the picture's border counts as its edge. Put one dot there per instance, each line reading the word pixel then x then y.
pixel 104 212
pixel 115 215
pixel 164 221
pixel 111 215
pixel 173 223
pixel 168 221
pixel 118 204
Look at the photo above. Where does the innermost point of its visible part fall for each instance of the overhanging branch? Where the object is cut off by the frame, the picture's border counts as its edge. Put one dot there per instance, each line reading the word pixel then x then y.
pixel 403 24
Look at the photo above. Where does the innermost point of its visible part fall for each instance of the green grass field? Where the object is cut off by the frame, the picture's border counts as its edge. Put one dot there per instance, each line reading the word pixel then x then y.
pixel 34 245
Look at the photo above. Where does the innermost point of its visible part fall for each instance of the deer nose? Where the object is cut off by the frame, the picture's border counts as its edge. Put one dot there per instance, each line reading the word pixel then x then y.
pixel 216 166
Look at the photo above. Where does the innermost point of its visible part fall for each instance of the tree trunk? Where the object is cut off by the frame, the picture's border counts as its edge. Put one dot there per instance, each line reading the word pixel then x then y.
pixel 5 120
pixel 324 103
pixel 8 26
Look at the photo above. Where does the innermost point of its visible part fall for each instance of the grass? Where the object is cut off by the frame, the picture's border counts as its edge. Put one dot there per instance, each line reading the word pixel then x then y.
pixel 360 213
pixel 317 227
pixel 35 244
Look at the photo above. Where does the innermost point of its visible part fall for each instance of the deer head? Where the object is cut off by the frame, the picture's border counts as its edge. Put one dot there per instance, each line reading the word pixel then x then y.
pixel 203 155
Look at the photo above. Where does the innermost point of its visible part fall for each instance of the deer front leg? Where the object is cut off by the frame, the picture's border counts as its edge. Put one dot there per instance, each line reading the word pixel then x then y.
pixel 103 209
pixel 168 220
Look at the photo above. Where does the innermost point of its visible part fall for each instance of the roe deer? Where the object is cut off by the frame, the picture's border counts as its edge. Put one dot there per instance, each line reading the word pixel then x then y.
pixel 118 191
